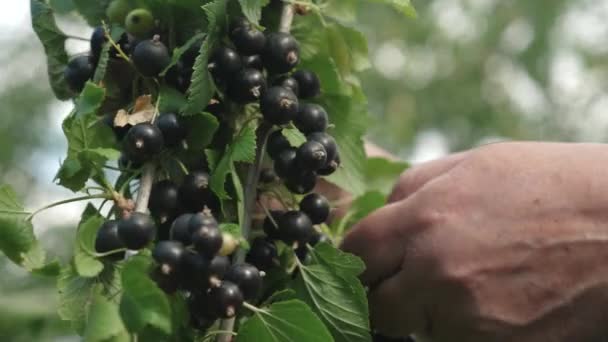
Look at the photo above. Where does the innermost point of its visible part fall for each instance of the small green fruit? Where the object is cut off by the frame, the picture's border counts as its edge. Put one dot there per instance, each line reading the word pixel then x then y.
pixel 118 10
pixel 139 22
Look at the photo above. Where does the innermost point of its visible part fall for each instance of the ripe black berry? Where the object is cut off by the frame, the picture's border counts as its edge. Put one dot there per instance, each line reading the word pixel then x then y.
pixel 206 238
pixel 194 193
pixel 247 86
pixel 327 141
pixel 267 176
pixel 262 254
pixel 302 182
pixel 139 22
pixel 78 72
pixel 316 207
pixel 279 105
pixel 285 163
pixel 270 225
pixel 248 279
pixel 164 200
pixel 224 64
pixel 136 231
pixel 180 230
pixel 227 299
pixel 289 83
pixel 195 275
pixel 218 267
pixel 253 62
pixel 281 53
pixel 170 256
pixel 143 142
pixel 151 57
pixel 200 308
pixel 311 156
pixel 169 283
pixel 173 130
pixel 247 39
pixel 309 83
pixel 296 227
pixel 277 143
pixel 98 38
pixel 318 238
pixel 107 240
pixel 330 167
pixel 311 118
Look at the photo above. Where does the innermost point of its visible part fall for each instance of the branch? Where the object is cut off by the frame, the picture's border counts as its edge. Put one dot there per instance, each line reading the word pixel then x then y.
pixel 145 188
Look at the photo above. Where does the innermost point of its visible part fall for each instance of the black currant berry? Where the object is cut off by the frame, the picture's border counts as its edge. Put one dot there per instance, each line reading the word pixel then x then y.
pixel 268 176
pixel 224 64
pixel 302 182
pixel 195 275
pixel 107 240
pixel 125 163
pixel 218 267
pixel 289 83
pixel 317 208
pixel 207 239
pixel 78 72
pixel 331 166
pixel 277 143
pixel 194 193
pixel 270 225
pixel 262 254
pixel 169 255
pixel 311 156
pixel 248 279
pixel 173 131
pixel 253 62
pixel 139 22
pixel 247 86
pixel 311 118
pixel 281 53
pixel 247 39
pixel 151 57
pixel 143 142
pixel 169 283
pixel 331 147
pixel 318 238
pixel 227 299
pixel 180 229
pixel 163 231
pixel 285 164
pixel 296 227
pixel 279 105
pixel 164 200
pixel 201 310
pixel 98 38
pixel 309 83
pixel 136 231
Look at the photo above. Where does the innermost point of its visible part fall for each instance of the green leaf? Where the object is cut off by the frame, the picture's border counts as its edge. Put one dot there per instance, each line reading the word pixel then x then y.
pixel 363 206
pixel 348 48
pixel 85 263
pixel 179 52
pixel 92 11
pixel 242 149
pixel 102 63
pixel 202 89
pixel 62 6
pixel 201 129
pixel 284 321
pixel 252 9
pixel 381 174
pixel 75 296
pixel 53 41
pixel 294 136
pixel 171 100
pixel 103 321
pixel 331 288
pixel 403 6
pixel 143 303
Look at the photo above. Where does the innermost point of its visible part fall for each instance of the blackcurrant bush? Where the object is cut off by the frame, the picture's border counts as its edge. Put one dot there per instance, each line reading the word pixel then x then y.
pixel 143 142
pixel 218 267
pixel 136 231
pixel 118 10
pixel 151 57
pixel 262 254
pixel 331 166
pixel 301 182
pixel 229 245
pixel 270 225
pixel 174 132
pixel 248 279
pixel 107 240
pixel 247 86
pixel 327 141
pixel 224 64
pixel 289 83
pixel 311 156
pixel 247 39
pixel 253 62
pixel 139 22
pixel 281 53
pixel 285 164
pixel 180 229
pixel 316 206
pixel 267 176
pixel 296 227
pixel 194 193
pixel 207 239
pixel 311 118
pixel 98 38
pixel 164 200
pixel 78 71
pixel 195 275
pixel 279 105
pixel 309 83
pixel 169 255
pixel 277 143
pixel 226 299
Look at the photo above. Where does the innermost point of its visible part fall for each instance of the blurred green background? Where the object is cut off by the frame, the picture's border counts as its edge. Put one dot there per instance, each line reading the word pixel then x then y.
pixel 465 73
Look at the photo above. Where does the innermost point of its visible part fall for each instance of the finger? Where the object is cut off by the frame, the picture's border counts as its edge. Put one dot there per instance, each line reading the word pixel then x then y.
pixel 416 177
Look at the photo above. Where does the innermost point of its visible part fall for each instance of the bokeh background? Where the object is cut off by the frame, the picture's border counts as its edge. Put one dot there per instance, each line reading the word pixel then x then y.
pixel 465 73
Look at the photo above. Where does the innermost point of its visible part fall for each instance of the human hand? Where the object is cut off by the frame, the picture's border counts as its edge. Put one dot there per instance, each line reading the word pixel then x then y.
pixel 508 242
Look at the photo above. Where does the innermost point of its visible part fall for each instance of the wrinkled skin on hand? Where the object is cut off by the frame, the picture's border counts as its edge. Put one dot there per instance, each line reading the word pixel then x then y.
pixel 508 242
